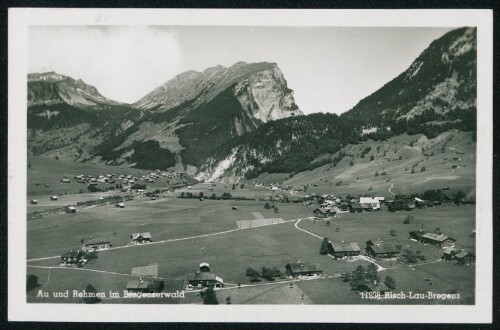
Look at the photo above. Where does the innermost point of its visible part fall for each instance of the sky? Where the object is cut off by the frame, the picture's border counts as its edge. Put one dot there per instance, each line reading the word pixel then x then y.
pixel 330 69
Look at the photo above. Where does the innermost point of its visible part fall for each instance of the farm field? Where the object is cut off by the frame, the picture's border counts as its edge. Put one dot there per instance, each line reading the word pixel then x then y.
pixel 230 251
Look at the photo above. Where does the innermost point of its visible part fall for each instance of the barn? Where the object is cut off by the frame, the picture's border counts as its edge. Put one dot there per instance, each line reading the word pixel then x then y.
pixel 302 269
pixel 438 240
pixel 204 279
pixel 95 243
pixel 71 209
pixel 141 237
pixel 379 249
pixel 343 250
pixel 321 213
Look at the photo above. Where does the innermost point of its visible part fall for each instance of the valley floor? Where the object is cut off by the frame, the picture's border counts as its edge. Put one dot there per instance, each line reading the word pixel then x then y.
pixel 187 232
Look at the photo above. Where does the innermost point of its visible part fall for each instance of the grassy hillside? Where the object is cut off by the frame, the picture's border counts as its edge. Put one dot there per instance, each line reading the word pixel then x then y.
pixel 394 160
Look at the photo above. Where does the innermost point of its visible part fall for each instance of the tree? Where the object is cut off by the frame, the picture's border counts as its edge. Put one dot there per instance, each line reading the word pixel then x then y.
pixel 412 170
pixel 228 300
pixel 358 277
pixel 371 273
pixel 91 300
pixel 182 195
pixel 242 185
pixel 276 209
pixel 234 186
pixel 200 195
pixel 209 296
pixel 423 169
pixel 459 196
pixel 409 256
pixel 376 173
pixel 351 163
pixel 408 219
pixel 400 157
pixel 389 281
pixel 393 232
pixel 252 273
pixel 328 222
pixel 438 230
pixel 324 246
pixel 372 158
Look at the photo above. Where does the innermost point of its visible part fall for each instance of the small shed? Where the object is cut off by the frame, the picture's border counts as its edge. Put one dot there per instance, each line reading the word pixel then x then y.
pixel 71 209
pixel 120 205
pixel 204 267
pixel 53 198
pixel 65 181
pixel 34 202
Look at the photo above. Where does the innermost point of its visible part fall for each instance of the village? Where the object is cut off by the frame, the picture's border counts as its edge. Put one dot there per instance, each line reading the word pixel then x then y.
pixel 400 234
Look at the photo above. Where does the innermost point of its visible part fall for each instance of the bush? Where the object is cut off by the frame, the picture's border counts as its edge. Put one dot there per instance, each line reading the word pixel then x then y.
pixel 389 281
pixel 209 296
pixel 250 272
pixel 422 169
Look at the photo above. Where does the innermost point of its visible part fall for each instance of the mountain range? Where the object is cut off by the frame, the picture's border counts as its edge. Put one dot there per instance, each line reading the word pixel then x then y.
pixel 229 123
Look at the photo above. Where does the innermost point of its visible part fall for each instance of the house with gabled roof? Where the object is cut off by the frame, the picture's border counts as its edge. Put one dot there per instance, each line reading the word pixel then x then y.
pixel 340 250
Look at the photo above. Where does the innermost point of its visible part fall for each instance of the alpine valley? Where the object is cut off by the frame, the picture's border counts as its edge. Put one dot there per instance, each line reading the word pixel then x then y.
pixel 241 122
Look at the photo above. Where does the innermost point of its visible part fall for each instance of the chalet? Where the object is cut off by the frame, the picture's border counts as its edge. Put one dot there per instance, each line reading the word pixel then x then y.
pixel 72 257
pixel 53 198
pixel 343 250
pixel 369 203
pixel 146 286
pixel 71 209
pixel 95 243
pixel 379 249
pixel 120 205
pixel 300 269
pixel 344 206
pixel 141 237
pixel 356 207
pixel 322 213
pixel 65 181
pixel 34 201
pixel 204 279
pixel 438 240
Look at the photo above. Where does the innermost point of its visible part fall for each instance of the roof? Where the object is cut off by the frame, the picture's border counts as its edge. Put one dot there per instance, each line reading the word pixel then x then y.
pixel 144 284
pixel 368 200
pixel 437 237
pixel 204 264
pixel 143 235
pixel 462 254
pixel 298 267
pixel 95 240
pixel 322 210
pixel 345 247
pixel 383 248
pixel 416 233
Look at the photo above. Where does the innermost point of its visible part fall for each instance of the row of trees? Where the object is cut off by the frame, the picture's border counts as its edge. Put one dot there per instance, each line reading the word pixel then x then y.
pixel 361 276
pixel 266 273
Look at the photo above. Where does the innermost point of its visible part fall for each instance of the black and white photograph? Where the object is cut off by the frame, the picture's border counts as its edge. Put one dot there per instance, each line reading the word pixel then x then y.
pixel 302 164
